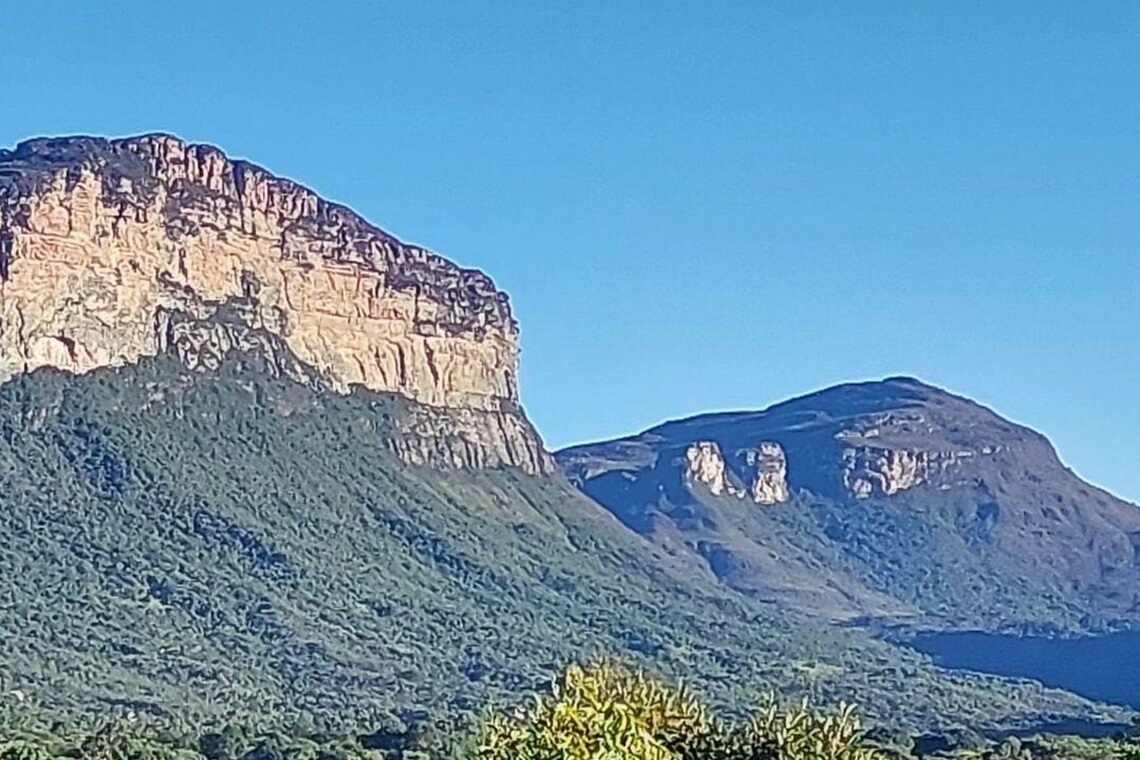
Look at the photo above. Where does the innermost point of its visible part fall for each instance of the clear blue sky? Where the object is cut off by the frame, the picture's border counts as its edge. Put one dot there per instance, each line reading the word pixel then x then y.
pixel 698 205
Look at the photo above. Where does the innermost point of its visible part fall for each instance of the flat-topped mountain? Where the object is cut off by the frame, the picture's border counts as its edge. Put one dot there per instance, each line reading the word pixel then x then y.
pixel 889 499
pixel 105 243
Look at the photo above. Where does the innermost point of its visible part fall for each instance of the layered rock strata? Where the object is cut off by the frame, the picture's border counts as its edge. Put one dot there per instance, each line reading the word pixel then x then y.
pixel 885 454
pixel 101 240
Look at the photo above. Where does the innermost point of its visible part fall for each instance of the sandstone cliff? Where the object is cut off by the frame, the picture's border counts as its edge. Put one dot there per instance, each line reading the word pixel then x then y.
pixel 101 241
pixel 761 474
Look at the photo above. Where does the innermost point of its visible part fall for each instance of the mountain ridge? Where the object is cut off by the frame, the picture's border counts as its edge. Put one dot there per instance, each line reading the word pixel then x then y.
pixel 927 466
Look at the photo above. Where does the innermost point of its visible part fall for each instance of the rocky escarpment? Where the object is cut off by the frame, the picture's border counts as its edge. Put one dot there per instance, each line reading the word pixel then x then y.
pixel 886 453
pixel 760 474
pixel 891 487
pixel 767 467
pixel 851 442
pixel 102 240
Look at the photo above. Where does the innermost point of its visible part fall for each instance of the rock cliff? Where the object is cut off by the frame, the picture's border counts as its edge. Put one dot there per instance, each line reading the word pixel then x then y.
pixel 767 466
pixel 103 243
pixel 761 473
pixel 705 465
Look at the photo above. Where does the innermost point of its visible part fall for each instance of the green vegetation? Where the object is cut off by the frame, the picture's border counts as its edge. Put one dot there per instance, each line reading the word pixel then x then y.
pixel 123 742
pixel 237 549
pixel 607 711
pixel 601 712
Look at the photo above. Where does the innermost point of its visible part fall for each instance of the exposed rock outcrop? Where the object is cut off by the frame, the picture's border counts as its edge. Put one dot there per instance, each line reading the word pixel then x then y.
pixel 885 454
pixel 468 438
pixel 767 467
pixel 706 466
pixel 762 472
pixel 869 471
pixel 100 239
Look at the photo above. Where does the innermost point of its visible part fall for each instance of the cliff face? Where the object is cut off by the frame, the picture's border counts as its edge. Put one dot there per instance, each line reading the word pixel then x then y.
pixel 100 241
pixel 761 473
pixel 852 442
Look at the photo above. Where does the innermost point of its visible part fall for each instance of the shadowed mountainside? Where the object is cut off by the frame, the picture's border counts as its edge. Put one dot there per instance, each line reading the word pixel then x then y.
pixel 889 500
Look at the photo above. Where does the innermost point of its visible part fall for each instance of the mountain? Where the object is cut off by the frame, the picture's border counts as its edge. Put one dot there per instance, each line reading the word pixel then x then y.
pixel 108 246
pixel 262 462
pixel 890 501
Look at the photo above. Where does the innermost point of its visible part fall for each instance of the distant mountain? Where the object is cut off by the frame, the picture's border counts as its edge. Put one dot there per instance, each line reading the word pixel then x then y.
pixel 891 501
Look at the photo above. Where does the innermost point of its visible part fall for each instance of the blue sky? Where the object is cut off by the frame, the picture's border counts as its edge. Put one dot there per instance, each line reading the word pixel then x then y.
pixel 694 206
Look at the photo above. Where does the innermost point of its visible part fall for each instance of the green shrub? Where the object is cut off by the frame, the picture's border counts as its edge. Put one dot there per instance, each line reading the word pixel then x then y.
pixel 606 712
pixel 803 733
pixel 116 741
pixel 21 749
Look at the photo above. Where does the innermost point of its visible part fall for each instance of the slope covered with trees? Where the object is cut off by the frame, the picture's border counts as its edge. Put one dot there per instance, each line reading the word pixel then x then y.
pixel 230 546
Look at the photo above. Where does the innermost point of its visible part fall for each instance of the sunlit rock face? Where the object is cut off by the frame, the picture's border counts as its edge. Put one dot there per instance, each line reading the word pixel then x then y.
pixel 874 471
pixel 885 454
pixel 767 467
pixel 100 238
pixel 761 476
pixel 707 467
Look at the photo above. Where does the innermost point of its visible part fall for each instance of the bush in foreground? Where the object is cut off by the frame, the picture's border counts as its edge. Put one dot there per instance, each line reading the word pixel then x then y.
pixel 600 712
pixel 606 712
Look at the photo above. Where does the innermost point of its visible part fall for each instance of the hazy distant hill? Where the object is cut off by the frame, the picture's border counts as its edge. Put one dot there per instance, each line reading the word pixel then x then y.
pixel 891 500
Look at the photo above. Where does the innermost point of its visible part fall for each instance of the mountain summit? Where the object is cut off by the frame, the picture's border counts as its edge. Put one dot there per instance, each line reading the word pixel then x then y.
pixel 112 250
pixel 890 499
